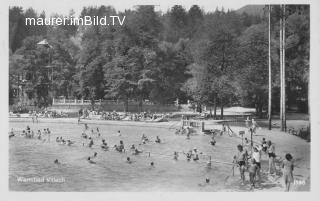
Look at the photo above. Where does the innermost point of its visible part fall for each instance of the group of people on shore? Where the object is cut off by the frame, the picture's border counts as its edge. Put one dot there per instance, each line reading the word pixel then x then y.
pixel 128 116
pixel 250 160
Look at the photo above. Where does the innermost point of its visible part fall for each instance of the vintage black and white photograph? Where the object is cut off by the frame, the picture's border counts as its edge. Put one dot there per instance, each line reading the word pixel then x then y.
pixel 149 98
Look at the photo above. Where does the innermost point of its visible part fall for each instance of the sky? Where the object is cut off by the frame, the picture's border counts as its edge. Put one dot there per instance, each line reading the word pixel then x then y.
pixel 64 6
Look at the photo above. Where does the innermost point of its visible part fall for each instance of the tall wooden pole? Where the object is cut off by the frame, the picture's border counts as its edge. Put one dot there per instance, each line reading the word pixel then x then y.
pixel 284 67
pixel 281 72
pixel 270 86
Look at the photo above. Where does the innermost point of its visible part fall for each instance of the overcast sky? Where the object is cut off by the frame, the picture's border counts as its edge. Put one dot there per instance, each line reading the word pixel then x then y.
pixel 64 6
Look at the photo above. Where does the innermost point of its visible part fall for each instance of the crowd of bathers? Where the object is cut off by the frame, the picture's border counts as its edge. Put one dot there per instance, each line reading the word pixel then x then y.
pixel 248 158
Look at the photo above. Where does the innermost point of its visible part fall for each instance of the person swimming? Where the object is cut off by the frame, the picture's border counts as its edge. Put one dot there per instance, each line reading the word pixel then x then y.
pixel 196 157
pixel 152 164
pixel 69 142
pixel 98 131
pixel 56 161
pixel 86 127
pixel 209 164
pixel 207 180
pixel 189 154
pixel 104 144
pixel 175 155
pixel 83 135
pixel 128 160
pixel 39 135
pixel 213 141
pixel 137 151
pixel 158 140
pixel 90 161
pixel 91 143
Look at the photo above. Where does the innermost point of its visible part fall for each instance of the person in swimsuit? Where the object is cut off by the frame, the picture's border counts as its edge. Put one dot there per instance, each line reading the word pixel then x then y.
pixel 287 169
pixel 241 160
pixel 252 172
pixel 272 156
pixel 256 155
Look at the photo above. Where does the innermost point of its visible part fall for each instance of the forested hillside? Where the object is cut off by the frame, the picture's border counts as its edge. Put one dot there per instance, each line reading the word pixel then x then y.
pixel 212 58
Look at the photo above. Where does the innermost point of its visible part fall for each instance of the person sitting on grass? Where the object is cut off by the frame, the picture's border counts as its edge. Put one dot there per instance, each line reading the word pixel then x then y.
pixel 287 169
pixel 157 140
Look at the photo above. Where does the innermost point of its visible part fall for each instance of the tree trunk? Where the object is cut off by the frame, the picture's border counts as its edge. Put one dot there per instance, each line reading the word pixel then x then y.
pixel 140 104
pixel 221 113
pixel 126 105
pixel 215 109
pixel 281 72
pixel 284 69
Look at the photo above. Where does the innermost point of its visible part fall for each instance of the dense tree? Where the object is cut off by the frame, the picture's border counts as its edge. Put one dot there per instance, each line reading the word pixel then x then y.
pixel 215 58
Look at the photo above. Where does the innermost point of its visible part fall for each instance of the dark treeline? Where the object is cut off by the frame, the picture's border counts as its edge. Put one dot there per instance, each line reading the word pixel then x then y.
pixel 215 58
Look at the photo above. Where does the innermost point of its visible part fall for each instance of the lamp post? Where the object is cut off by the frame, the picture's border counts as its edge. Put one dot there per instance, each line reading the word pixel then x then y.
pixel 45 44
